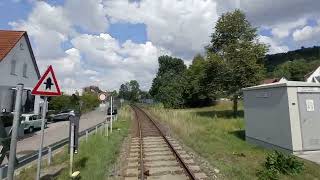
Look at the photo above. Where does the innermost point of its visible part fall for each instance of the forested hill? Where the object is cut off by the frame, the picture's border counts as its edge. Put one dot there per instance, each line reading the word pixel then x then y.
pixel 307 54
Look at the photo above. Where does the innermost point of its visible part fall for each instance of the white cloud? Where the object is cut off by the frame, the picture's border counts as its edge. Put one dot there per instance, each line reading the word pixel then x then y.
pixel 119 62
pixel 273 12
pixel 274 46
pixel 283 30
pixel 307 33
pixel 90 72
pixel 88 14
pixel 183 27
pixel 48 27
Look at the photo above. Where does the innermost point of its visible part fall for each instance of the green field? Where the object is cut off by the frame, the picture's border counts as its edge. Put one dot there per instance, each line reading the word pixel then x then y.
pixel 96 158
pixel 220 139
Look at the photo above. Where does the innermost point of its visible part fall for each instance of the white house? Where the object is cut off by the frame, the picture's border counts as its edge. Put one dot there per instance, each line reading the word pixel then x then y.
pixel 17 65
pixel 314 76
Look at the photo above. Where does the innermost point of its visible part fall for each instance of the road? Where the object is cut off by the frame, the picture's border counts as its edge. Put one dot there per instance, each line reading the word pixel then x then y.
pixel 56 132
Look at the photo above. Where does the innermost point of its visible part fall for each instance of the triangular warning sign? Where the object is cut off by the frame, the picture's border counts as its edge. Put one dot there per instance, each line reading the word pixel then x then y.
pixel 47 85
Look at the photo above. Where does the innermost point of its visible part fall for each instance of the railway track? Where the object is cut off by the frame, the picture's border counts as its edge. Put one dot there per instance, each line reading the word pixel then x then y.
pixel 153 155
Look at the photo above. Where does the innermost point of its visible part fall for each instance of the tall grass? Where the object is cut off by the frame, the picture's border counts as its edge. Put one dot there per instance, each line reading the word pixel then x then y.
pixel 219 138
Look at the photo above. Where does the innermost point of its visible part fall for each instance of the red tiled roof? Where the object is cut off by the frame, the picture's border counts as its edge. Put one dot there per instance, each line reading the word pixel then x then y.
pixel 269 81
pixel 8 39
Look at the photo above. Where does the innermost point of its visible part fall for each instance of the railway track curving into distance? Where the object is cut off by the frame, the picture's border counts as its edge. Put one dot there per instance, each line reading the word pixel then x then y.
pixel 154 155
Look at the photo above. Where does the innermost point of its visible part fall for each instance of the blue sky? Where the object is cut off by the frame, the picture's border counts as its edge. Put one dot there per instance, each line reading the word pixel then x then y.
pixel 93 40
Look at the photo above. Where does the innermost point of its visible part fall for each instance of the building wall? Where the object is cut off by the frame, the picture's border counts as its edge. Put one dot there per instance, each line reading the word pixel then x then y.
pixel 267 116
pixel 21 57
pixel 294 119
pixel 7 81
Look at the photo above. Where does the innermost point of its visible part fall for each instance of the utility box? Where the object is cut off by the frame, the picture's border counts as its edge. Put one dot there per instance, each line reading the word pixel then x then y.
pixel 283 116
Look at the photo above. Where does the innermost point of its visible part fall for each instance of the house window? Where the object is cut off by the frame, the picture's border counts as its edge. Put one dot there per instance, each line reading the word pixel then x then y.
pixel 13 67
pixel 21 46
pixel 24 70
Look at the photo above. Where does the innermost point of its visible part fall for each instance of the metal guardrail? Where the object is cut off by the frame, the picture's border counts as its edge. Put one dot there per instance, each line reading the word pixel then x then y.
pixel 24 160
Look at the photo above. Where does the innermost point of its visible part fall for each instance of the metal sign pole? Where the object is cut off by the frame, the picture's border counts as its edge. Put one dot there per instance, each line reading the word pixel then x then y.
pixel 14 132
pixel 44 110
pixel 111 114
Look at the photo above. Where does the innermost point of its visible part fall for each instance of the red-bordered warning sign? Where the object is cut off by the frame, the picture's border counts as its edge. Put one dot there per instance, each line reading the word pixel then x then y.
pixel 47 85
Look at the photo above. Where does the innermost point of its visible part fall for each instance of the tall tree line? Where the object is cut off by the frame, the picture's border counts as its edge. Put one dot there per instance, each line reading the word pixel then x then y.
pixel 233 60
pixel 130 91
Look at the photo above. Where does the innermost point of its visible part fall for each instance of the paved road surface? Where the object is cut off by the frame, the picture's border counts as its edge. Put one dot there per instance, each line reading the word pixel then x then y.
pixel 56 132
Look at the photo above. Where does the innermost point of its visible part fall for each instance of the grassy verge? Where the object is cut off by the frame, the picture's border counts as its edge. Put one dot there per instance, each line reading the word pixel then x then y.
pixel 96 157
pixel 219 138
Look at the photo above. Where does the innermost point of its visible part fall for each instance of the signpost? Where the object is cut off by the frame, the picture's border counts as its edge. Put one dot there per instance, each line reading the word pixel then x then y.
pixel 14 132
pixel 46 86
pixel 102 97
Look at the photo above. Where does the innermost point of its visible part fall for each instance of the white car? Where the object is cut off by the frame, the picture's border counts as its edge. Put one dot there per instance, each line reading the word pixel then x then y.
pixel 31 122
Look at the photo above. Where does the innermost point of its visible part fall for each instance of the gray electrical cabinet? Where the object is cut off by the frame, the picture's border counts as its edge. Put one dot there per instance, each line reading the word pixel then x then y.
pixel 283 116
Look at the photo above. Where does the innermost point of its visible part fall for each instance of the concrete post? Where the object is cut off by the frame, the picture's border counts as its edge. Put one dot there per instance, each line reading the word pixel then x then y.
pixel 14 132
pixel 111 119
pixel 96 129
pixel 49 155
pixel 107 129
pixel 87 134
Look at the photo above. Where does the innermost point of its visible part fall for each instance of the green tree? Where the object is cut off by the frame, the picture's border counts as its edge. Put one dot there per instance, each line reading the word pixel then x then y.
pixel 214 76
pixel 235 41
pixel 59 103
pixel 293 70
pixel 90 101
pixel 130 91
pixel 195 94
pixel 124 92
pixel 134 90
pixel 168 85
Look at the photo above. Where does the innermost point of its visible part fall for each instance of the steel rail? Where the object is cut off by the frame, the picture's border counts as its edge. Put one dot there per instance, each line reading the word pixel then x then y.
pixel 141 147
pixel 178 157
pixel 24 160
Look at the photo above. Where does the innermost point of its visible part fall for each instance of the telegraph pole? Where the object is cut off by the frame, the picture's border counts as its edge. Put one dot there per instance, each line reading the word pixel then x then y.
pixel 14 132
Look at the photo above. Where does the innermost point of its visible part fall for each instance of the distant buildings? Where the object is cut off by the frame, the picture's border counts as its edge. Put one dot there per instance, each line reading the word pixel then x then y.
pixel 70 91
pixel 94 89
pixel 273 80
pixel 17 65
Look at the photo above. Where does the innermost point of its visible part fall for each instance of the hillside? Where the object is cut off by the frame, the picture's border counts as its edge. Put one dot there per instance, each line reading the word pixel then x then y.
pixel 307 54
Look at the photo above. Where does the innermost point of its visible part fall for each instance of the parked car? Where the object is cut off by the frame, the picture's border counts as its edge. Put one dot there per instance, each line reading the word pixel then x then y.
pixel 63 115
pixel 114 111
pixel 31 122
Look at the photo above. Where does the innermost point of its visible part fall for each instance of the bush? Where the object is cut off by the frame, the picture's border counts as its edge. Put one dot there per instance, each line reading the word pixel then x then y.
pixel 278 163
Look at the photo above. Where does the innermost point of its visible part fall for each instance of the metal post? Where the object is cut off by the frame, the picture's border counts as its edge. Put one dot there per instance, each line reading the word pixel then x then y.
pixel 14 132
pixel 107 129
pixel 71 149
pixel 111 119
pixel 1 172
pixel 49 155
pixel 44 110
pixel 87 136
